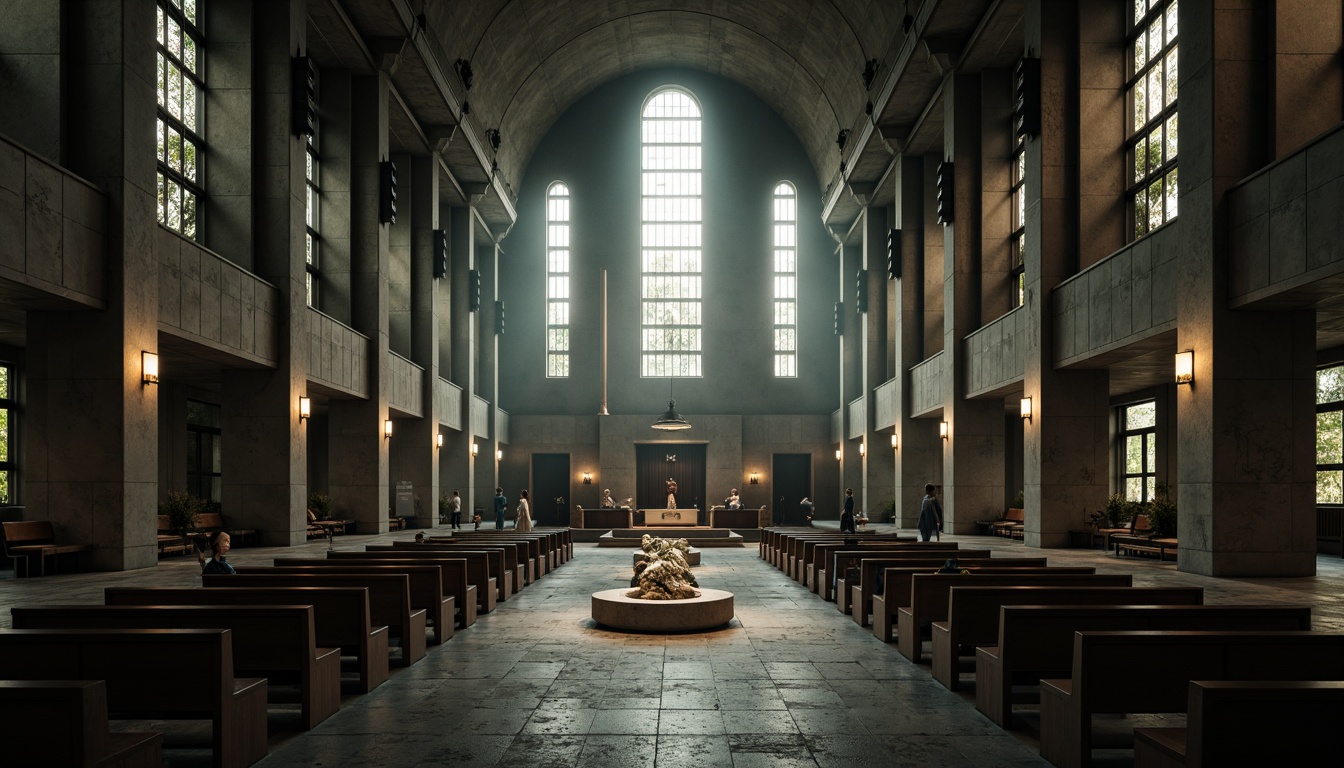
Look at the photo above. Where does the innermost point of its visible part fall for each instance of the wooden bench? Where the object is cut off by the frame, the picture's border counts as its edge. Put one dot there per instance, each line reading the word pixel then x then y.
pixel 549 549
pixel 530 563
pixel 1013 517
pixel 848 566
pixel 1036 641
pixel 426 584
pixel 823 570
pixel 872 575
pixel 1252 722
pixel 144 670
pixel 452 574
pixel 276 642
pixel 1101 686
pixel 319 528
pixel 500 569
pixel 389 601
pixel 1145 545
pixel 476 564
pixel 209 522
pixel 64 723
pixel 973 615
pixel 29 539
pixel 812 564
pixel 896 593
pixel 341 617
pixel 929 593
pixel 170 541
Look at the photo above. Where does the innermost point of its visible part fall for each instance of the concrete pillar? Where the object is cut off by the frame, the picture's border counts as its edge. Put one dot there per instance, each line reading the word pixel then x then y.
pixel 231 112
pixel 973 453
pixel 458 467
pixel 1246 465
pixel 31 44
pixel 358 452
pixel 1066 444
pixel 850 258
pixel 84 368
pixel 877 462
pixel 487 365
pixel 918 453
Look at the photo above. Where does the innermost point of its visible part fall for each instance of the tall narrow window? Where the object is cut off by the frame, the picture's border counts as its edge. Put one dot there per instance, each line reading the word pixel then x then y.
pixel 786 280
pixel 671 266
pixel 1017 240
pixel 1138 443
pixel 1151 96
pixel 204 479
pixel 1330 435
pixel 179 71
pixel 312 220
pixel 557 281
pixel 7 408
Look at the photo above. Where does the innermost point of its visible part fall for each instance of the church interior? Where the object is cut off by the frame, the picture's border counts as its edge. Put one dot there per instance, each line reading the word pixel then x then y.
pixel 323 275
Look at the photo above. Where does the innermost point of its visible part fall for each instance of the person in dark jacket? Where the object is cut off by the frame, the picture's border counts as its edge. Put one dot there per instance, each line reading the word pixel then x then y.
pixel 217 546
pixel 847 517
pixel 930 515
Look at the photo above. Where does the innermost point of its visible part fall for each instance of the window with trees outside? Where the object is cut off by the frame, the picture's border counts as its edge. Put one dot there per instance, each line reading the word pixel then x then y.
pixel 7 484
pixel 1138 454
pixel 1152 131
pixel 786 280
pixel 1330 435
pixel 1017 239
pixel 557 281
pixel 204 480
pixel 671 268
pixel 180 59
pixel 313 219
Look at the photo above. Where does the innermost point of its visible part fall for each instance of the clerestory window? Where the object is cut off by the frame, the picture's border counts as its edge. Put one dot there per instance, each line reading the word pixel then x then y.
pixel 557 280
pixel 1152 131
pixel 180 66
pixel 786 280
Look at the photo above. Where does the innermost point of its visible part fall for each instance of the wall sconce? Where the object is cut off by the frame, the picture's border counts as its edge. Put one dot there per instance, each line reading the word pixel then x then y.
pixel 475 450
pixel 587 478
pixel 149 368
pixel 893 442
pixel 1185 367
pixel 837 454
pixel 942 429
pixel 755 479
pixel 499 455
pixel 1025 408
pixel 305 408
pixel 387 429
pixel 438 441
pixel 863 449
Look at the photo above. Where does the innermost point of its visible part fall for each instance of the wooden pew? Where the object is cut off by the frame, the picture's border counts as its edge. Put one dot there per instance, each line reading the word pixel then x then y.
pixel 64 723
pixel 1251 722
pixel 847 564
pixel 528 553
pixel 389 600
pixel 452 574
pixel 973 614
pixel 1099 685
pixel 341 616
pixel 811 556
pixel 896 592
pixel 23 541
pixel 545 546
pixel 824 567
pixel 426 584
pixel 276 642
pixel 871 570
pixel 504 568
pixel 144 670
pixel 480 565
pixel 929 591
pixel 1036 641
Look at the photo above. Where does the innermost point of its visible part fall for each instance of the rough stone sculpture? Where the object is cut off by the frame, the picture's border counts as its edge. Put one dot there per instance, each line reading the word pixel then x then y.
pixel 664 573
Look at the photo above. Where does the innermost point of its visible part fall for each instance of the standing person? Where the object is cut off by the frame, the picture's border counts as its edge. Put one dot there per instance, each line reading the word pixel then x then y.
pixel 455 506
pixel 805 506
pixel 524 519
pixel 930 515
pixel 217 545
pixel 501 504
pixel 671 493
pixel 847 517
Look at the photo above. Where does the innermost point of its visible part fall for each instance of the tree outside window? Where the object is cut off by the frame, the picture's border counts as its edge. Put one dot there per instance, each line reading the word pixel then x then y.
pixel 1330 435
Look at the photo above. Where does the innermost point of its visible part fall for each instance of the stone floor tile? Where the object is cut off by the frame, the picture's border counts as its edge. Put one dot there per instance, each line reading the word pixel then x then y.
pixel 690 722
pixel 619 752
pixel 693 752
pixel 625 721
pixel 758 721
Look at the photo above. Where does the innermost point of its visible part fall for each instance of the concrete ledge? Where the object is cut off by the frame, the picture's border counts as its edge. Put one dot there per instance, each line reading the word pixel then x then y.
pixel 616 609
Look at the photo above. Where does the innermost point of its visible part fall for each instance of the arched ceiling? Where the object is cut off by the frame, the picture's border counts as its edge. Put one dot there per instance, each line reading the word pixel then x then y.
pixel 532 59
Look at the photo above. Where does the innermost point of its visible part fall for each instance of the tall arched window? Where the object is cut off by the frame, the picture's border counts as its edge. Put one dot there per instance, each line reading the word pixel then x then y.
pixel 557 280
pixel 671 266
pixel 786 280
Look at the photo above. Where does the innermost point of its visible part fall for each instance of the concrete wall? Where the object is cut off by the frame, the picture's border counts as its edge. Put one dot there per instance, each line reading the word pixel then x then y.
pixel 926 386
pixel 337 355
pixel 995 354
pixel 405 386
pixel 448 405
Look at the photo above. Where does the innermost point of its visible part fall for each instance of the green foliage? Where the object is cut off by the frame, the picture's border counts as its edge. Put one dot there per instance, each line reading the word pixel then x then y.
pixel 1162 513
pixel 1020 500
pixel 889 510
pixel 1119 510
pixel 320 504
pixel 445 507
pixel 181 509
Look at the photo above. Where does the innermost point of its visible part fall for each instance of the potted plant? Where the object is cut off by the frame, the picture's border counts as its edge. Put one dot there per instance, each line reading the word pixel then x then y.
pixel 1162 513
pixel 445 508
pixel 1118 510
pixel 181 510
pixel 320 504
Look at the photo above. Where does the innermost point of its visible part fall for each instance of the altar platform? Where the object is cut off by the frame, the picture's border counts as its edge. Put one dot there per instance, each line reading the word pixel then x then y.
pixel 701 537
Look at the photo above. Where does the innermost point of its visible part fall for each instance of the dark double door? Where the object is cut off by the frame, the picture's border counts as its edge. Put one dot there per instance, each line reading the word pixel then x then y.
pixel 550 482
pixel 793 481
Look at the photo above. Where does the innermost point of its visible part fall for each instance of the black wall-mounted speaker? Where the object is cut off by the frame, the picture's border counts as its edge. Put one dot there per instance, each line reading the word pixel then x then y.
pixel 303 92
pixel 946 188
pixel 440 254
pixel 387 192
pixel 894 254
pixel 474 290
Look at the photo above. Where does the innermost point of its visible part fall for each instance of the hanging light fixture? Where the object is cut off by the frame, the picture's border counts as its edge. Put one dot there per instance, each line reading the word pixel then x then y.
pixel 671 420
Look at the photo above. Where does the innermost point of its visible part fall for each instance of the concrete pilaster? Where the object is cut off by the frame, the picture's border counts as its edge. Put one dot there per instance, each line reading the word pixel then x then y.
pixel 878 468
pixel 458 466
pixel 973 452
pixel 1246 466
pixel 358 452
pixel 849 259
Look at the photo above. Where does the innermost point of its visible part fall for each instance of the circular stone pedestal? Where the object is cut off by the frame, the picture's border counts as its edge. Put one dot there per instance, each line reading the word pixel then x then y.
pixel 613 608
pixel 692 557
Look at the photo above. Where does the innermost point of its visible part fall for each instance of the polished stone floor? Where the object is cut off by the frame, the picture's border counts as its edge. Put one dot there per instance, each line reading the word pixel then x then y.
pixel 791 682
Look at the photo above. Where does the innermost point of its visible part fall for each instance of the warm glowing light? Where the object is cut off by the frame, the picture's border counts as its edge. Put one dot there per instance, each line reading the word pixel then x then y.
pixel 893 442
pixel 149 368
pixel 587 478
pixel 863 449
pixel 942 429
pixel 837 454
pixel 387 429
pixel 438 441
pixel 475 449
pixel 1025 408
pixel 305 408
pixel 499 455
pixel 1185 367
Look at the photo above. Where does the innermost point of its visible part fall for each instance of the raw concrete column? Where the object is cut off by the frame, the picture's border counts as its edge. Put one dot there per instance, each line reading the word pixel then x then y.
pixel 918 453
pixel 973 453
pixel 84 368
pixel 1066 445
pixel 1246 457
pixel 265 457
pixel 458 467
pixel 487 371
pixel 877 463
pixel 848 260
pixel 31 42
pixel 358 452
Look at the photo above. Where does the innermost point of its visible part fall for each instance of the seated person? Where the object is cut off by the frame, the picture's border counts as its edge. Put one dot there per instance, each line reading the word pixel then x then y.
pixel 733 501
pixel 607 501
